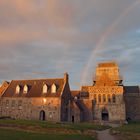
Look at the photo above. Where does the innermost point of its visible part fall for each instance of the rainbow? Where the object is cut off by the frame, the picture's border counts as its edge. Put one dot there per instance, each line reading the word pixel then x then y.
pixel 104 36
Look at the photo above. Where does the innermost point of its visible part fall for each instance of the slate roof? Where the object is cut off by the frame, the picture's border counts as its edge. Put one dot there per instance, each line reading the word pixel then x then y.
pixel 131 89
pixel 35 88
pixel 75 92
pixel 79 93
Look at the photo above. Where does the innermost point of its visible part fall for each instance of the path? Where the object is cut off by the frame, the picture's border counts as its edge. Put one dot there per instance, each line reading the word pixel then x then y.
pixel 105 135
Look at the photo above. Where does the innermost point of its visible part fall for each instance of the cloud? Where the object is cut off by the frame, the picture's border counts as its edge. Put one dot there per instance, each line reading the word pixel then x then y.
pixel 40 38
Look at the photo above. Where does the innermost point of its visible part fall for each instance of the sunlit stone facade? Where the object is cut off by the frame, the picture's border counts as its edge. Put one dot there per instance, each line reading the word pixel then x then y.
pixel 107 93
pixel 105 99
pixel 31 100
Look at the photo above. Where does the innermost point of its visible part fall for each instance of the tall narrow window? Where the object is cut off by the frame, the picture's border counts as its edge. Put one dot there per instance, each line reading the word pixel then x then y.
pixel 13 104
pixel 50 115
pixel 104 98
pixel 45 88
pixel 25 90
pixel 99 98
pixel 20 104
pixel 17 89
pixel 53 88
pixel 113 98
pixel 7 103
pixel 109 98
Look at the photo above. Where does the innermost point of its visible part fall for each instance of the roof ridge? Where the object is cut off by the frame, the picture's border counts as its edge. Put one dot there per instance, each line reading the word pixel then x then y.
pixel 39 79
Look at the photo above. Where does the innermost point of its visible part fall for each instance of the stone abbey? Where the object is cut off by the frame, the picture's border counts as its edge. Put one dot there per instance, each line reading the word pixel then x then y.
pixel 107 99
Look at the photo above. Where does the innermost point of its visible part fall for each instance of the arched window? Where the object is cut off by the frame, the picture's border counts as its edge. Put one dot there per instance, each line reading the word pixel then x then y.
pixel 109 98
pixel 99 98
pixel 113 98
pixel 104 98
pixel 17 89
pixel 25 89
pixel 45 88
pixel 53 88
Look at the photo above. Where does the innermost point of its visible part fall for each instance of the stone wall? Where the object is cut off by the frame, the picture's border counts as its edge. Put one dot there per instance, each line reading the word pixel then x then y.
pixel 30 108
pixel 107 102
pixel 91 108
pixel 88 109
pixel 115 112
pixel 132 103
pixel 74 113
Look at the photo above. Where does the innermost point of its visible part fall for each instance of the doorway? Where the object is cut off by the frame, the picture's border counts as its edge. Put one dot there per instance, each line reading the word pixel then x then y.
pixel 42 115
pixel 72 119
pixel 105 115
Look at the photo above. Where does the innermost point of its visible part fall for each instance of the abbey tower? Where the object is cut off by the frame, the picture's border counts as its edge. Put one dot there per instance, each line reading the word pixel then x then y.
pixel 104 100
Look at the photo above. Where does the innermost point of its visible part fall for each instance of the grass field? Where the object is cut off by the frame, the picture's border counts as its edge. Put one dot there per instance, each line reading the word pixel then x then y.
pixel 44 124
pixel 131 131
pixel 6 134
pixel 23 129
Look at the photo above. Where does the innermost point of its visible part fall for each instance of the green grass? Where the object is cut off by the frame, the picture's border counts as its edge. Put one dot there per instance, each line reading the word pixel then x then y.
pixel 133 127
pixel 44 124
pixel 29 129
pixel 131 131
pixel 6 134
pixel 90 126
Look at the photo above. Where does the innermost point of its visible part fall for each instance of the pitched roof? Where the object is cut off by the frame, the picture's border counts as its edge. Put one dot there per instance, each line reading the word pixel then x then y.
pixel 75 92
pixel 131 89
pixel 35 88
pixel 81 93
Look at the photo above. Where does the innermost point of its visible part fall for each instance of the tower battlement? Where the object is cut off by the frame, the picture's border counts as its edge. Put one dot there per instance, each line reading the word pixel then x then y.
pixel 107 73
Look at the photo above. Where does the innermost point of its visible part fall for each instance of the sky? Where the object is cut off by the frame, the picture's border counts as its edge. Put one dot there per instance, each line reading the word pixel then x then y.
pixel 46 38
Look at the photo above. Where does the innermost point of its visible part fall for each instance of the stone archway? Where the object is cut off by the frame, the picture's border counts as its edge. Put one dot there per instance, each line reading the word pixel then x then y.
pixel 105 114
pixel 42 115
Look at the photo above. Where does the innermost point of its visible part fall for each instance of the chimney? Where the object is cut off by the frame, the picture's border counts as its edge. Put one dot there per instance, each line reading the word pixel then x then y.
pixel 66 77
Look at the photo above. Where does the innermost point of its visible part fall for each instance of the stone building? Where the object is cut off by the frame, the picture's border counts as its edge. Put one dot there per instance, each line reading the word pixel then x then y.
pixel 107 99
pixel 42 99
pixel 132 102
